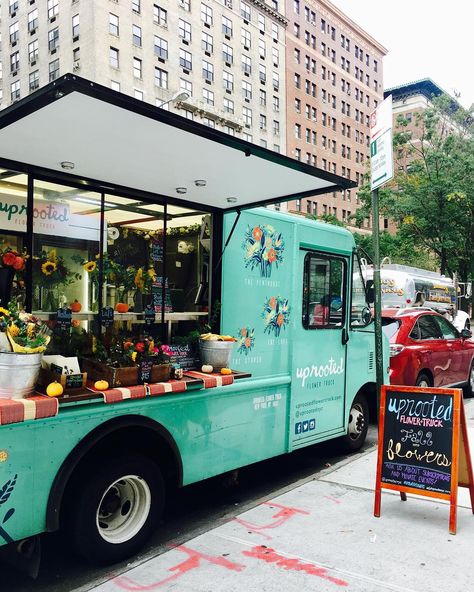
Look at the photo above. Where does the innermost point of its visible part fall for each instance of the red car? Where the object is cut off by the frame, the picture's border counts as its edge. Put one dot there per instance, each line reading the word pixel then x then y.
pixel 427 350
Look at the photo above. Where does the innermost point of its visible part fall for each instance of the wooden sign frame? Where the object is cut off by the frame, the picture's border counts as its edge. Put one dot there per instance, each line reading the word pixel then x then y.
pixel 461 466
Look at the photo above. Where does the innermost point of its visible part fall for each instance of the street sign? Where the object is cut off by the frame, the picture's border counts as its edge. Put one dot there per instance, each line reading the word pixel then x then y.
pixel 381 154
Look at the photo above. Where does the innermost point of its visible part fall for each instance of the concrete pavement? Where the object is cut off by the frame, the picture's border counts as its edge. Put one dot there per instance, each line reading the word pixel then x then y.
pixel 322 536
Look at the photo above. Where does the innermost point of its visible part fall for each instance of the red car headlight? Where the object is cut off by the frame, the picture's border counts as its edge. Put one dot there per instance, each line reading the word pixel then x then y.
pixel 395 349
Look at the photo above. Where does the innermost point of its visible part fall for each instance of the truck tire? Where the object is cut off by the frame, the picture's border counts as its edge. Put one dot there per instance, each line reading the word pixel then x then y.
pixel 116 509
pixel 358 424
pixel 469 388
pixel 423 380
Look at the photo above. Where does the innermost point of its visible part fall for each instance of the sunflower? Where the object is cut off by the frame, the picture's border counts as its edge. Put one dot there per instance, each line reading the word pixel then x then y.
pixel 90 266
pixel 4 312
pixel 49 267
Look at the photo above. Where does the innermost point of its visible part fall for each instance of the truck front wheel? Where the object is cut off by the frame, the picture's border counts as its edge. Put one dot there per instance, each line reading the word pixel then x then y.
pixel 358 424
pixel 115 509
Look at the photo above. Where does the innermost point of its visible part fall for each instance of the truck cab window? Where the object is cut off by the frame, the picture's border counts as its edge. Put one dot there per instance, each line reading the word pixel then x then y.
pixel 323 292
pixel 360 313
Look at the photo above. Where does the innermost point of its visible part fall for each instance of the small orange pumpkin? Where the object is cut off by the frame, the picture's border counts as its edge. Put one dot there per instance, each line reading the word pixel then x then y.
pixel 226 371
pixel 101 385
pixel 54 389
pixel 75 306
pixel 121 307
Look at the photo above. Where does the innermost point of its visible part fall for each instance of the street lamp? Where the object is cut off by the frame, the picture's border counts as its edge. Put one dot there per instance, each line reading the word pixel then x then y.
pixel 180 95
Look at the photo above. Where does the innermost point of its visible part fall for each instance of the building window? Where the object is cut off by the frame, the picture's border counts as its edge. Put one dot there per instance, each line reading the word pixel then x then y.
pixel 297 105
pixel 263 98
pixel 15 62
pixel 228 106
pixel 185 59
pixel 186 85
pixel 161 48
pixel 276 127
pixel 297 81
pixel 261 48
pixel 245 38
pixel 114 57
pixel 113 24
pixel 227 26
pixel 53 39
pixel 247 113
pixel 138 94
pixel 206 14
pixel 136 35
pixel 33 20
pixel 228 81
pixel 246 90
pixel 136 6
pixel 34 80
pixel 161 78
pixel 229 130
pixel 245 11
pixel 53 70
pixel 33 51
pixel 137 68
pixel 246 64
pixel 375 66
pixel 160 15
pixel 227 54
pixel 275 32
pixel 207 71
pixel 262 73
pixel 208 122
pixel 276 104
pixel 261 23
pixel 53 8
pixel 184 30
pixel 75 27
pixel 298 131
pixel 296 30
pixel 15 90
pixel 185 5
pixel 207 42
pixel 114 85
pixel 13 7
pixel 208 96
pixel 263 122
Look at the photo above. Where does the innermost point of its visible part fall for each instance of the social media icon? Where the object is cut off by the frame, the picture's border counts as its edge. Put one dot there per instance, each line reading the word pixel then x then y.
pixel 312 424
pixel 298 428
pixel 305 426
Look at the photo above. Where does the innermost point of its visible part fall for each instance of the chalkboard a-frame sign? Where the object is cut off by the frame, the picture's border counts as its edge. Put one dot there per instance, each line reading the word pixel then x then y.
pixel 423 445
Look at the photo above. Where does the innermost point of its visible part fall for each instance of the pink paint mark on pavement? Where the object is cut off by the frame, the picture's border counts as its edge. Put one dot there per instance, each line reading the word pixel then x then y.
pixel 192 562
pixel 284 514
pixel 332 499
pixel 271 556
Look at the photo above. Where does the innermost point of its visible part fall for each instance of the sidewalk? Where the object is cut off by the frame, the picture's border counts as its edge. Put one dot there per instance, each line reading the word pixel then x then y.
pixel 322 536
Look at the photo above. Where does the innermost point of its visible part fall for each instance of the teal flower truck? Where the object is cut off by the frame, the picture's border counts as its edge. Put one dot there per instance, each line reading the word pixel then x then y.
pixel 174 203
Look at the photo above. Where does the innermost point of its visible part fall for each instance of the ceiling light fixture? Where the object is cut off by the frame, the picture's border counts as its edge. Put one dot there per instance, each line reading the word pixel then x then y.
pixel 181 190
pixel 231 200
pixel 200 182
pixel 67 165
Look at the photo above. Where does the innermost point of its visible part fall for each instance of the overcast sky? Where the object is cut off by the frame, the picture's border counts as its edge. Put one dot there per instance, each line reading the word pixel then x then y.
pixel 425 39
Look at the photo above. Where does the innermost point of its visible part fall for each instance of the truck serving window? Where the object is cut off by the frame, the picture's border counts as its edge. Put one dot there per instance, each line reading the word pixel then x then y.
pixel 323 291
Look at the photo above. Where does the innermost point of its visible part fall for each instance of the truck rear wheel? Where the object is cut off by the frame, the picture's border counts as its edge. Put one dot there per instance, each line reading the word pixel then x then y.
pixel 116 509
pixel 358 424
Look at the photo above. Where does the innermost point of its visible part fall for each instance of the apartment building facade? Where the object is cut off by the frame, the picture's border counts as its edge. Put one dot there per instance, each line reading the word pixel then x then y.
pixel 221 63
pixel 334 81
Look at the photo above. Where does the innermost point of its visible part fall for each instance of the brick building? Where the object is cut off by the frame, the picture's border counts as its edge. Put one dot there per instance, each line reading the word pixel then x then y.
pixel 334 80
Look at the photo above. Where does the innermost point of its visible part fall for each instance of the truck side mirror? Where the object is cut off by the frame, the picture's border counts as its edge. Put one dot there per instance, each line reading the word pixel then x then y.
pixel 466 334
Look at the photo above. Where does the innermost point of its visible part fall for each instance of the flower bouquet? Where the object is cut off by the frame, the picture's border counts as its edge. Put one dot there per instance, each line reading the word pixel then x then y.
pixel 51 272
pixel 11 262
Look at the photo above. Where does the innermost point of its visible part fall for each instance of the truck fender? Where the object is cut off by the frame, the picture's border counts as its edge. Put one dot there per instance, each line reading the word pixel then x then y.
pixel 98 439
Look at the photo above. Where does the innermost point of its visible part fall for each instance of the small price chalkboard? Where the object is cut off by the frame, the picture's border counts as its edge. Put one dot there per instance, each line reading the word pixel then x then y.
pixel 157 296
pixel 74 380
pixel 184 355
pixel 156 252
pixel 107 316
pixel 149 315
pixel 420 449
pixel 144 370
pixel 64 318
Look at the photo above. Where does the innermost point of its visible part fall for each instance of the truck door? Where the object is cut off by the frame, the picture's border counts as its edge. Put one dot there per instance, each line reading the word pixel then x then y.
pixel 319 349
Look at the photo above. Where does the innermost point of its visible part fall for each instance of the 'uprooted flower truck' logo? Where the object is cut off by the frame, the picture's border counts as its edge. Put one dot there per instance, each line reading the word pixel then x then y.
pixel 5 493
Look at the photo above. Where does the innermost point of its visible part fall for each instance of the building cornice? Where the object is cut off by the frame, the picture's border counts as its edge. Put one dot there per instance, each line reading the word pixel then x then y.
pixel 262 5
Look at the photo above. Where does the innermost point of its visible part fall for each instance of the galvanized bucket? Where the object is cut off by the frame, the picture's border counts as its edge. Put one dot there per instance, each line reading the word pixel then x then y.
pixel 18 374
pixel 216 353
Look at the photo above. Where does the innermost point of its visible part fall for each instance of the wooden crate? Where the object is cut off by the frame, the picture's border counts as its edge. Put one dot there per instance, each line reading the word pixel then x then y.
pixel 122 376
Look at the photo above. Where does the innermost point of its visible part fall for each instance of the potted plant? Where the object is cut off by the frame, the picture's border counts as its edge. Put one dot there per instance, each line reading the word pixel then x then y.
pixel 50 272
pixel 143 280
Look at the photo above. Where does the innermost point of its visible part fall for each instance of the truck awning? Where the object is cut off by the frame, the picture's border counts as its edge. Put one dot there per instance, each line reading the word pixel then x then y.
pixel 119 143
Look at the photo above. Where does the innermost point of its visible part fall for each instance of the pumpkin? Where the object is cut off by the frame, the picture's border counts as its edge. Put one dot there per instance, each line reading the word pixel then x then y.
pixel 226 371
pixel 54 389
pixel 121 307
pixel 207 368
pixel 101 385
pixel 75 306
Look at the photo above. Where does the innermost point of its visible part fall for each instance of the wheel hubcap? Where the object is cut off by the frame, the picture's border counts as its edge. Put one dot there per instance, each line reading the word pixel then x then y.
pixel 356 422
pixel 123 509
pixel 471 378
pixel 423 383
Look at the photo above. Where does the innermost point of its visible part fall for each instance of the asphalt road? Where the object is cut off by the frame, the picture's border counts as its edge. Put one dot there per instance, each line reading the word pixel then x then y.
pixel 195 509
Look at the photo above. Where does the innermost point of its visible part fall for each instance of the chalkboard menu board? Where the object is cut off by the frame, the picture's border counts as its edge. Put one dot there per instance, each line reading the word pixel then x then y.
pixel 144 370
pixel 156 249
pixel 418 440
pixel 157 295
pixel 64 318
pixel 184 355
pixel 107 316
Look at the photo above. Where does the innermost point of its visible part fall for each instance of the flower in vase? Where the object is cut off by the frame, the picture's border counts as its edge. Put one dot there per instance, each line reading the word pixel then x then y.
pixel 8 258
pixel 48 267
pixel 90 266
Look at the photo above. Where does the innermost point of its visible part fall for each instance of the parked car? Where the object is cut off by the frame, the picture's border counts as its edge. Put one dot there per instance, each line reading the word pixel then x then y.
pixel 427 350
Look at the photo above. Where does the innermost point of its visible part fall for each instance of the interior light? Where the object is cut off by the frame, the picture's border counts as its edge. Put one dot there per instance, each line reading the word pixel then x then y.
pixel 200 182
pixel 95 202
pixel 181 190
pixel 231 200
pixel 67 165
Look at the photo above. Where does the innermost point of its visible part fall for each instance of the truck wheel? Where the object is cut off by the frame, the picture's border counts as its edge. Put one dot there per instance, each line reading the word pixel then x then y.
pixel 423 380
pixel 469 388
pixel 116 509
pixel 358 424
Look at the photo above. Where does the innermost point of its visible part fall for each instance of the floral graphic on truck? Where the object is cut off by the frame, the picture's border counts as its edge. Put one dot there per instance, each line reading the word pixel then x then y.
pixel 263 247
pixel 276 314
pixel 245 340
pixel 5 493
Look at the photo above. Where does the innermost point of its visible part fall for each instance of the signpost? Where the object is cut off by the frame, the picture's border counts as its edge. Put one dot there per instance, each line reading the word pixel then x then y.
pixel 423 445
pixel 381 168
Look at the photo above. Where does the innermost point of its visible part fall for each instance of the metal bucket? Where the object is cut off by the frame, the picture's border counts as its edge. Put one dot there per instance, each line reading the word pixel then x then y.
pixel 18 374
pixel 216 353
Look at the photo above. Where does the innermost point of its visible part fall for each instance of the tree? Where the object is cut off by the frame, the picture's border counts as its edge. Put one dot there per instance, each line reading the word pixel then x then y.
pixel 432 199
